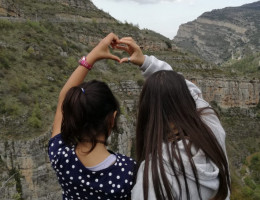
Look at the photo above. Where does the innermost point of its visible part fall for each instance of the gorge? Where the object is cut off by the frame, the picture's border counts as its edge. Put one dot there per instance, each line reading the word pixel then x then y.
pixel 38 54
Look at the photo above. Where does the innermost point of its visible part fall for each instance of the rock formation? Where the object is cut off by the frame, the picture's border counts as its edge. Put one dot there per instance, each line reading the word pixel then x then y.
pixel 25 171
pixel 29 158
pixel 220 35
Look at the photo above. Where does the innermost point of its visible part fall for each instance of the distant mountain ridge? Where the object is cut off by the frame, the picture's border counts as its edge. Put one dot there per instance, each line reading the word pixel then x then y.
pixel 223 34
pixel 40 44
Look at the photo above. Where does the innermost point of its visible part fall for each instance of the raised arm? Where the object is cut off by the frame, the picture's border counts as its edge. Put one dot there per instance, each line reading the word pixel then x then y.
pixel 150 65
pixel 101 51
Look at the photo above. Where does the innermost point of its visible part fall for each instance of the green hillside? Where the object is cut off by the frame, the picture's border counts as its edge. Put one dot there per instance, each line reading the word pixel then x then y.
pixel 40 44
pixel 36 58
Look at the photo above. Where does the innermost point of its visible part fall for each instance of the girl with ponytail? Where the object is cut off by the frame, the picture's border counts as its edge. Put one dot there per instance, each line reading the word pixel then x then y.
pixel 86 114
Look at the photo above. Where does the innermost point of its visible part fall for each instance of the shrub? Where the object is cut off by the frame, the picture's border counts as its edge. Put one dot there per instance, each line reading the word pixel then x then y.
pixel 31 50
pixel 140 82
pixel 71 62
pixel 35 122
pixel 37 26
pixel 169 45
pixel 9 108
pixel 35 119
pixel 247 192
pixel 6 25
pixel 4 62
pixel 249 182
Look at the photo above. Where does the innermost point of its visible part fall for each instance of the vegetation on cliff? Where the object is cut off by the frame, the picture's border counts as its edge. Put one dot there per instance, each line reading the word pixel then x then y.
pixel 40 43
pixel 236 33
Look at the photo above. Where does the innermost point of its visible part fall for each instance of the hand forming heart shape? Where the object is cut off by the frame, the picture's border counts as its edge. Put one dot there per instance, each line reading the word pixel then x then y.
pixel 126 44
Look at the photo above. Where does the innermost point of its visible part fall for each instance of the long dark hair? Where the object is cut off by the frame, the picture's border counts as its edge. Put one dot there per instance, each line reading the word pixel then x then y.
pixel 88 113
pixel 167 114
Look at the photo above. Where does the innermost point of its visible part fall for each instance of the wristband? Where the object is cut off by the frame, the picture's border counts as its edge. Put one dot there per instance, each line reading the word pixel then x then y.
pixel 83 62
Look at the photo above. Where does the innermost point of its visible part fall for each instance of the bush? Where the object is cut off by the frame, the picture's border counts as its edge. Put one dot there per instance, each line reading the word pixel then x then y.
pixel 9 108
pixel 37 26
pixel 249 182
pixel 35 122
pixel 169 45
pixel 140 82
pixel 4 62
pixel 35 119
pixel 6 25
pixel 247 192
pixel 255 168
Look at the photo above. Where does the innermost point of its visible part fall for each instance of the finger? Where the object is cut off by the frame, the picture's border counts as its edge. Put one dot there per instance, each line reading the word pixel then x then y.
pixel 114 42
pixel 127 42
pixel 125 48
pixel 113 45
pixel 127 38
pixel 113 57
pixel 123 60
pixel 111 38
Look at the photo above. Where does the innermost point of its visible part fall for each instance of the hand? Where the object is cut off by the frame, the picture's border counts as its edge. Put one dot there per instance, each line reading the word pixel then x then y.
pixel 134 51
pixel 101 51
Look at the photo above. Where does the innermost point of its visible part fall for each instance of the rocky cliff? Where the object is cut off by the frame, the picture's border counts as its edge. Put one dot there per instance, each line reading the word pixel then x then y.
pixel 229 93
pixel 220 35
pixel 26 172
pixel 40 42
pixel 26 167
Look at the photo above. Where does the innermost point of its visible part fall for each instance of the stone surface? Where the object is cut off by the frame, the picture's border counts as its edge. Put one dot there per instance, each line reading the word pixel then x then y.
pixel 219 35
pixel 228 93
pixel 38 180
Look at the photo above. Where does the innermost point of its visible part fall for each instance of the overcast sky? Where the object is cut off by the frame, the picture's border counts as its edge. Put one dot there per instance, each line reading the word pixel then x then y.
pixel 162 16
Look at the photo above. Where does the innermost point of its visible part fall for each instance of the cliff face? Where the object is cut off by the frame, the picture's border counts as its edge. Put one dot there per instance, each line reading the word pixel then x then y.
pixel 229 93
pixel 53 10
pixel 47 37
pixel 220 35
pixel 26 171
pixel 29 160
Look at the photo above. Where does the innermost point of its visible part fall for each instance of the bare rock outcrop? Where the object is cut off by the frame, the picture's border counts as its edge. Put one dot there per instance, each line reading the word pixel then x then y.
pixel 220 35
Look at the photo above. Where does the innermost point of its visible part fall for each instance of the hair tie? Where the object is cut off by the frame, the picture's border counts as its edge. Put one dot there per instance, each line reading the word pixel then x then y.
pixel 82 89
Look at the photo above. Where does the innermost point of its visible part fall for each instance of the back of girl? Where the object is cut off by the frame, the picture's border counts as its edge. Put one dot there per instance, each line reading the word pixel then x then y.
pixel 86 114
pixel 180 143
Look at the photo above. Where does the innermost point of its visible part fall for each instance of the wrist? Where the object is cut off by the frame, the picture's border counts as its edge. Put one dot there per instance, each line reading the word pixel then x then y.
pixel 140 60
pixel 85 63
pixel 91 58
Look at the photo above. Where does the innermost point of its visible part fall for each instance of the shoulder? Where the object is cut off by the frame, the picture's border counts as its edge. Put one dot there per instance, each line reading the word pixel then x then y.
pixel 56 143
pixel 127 167
pixel 126 161
pixel 125 158
pixel 58 150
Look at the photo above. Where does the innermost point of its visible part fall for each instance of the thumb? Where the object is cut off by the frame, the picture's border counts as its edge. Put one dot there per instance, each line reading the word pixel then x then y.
pixel 123 60
pixel 113 57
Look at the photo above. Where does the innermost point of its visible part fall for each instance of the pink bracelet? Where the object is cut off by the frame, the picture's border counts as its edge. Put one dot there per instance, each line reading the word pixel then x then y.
pixel 83 62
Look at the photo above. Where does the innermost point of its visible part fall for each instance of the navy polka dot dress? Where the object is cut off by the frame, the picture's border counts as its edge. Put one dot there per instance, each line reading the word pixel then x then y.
pixel 79 183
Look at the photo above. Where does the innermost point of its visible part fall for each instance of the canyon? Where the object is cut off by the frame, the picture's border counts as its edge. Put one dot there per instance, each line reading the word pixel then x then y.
pixel 59 31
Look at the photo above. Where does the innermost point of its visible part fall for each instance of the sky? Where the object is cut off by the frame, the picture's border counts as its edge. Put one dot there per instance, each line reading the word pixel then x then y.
pixel 162 16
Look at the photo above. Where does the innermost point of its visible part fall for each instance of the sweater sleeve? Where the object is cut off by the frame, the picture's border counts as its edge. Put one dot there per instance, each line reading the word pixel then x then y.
pixel 152 65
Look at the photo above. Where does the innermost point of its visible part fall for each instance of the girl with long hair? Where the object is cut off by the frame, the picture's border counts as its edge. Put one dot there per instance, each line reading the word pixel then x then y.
pixel 86 114
pixel 180 142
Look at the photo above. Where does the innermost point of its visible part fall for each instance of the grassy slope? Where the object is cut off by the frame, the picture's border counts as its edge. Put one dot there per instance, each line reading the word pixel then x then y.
pixel 32 72
pixel 249 66
pixel 32 69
